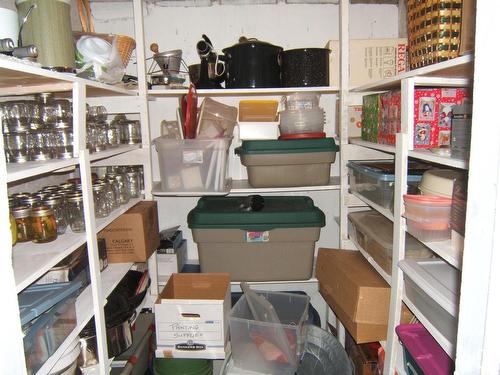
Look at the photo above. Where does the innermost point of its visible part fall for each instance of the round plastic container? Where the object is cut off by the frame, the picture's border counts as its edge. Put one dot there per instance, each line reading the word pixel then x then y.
pixel 301 101
pixel 302 121
pixel 68 361
pixel 438 182
pixel 428 217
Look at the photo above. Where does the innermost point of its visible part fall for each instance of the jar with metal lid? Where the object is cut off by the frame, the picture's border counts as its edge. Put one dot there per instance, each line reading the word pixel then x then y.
pixel 74 208
pixel 39 144
pixel 101 139
pixel 63 114
pixel 16 115
pixel 13 228
pixel 134 184
pixel 30 200
pixel 101 205
pixel 91 136
pixel 113 135
pixel 97 113
pixel 22 215
pixel 16 147
pixel 62 142
pixel 57 205
pixel 44 224
pixel 123 187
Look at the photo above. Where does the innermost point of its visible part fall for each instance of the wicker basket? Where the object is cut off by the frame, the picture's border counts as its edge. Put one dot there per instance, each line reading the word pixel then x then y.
pixel 124 43
pixel 433 31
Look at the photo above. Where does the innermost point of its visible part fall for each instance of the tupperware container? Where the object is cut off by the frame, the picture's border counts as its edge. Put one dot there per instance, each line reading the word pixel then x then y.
pixel 374 179
pixel 258 130
pixel 428 217
pixel 438 182
pixel 302 121
pixel 373 232
pixel 287 163
pixel 251 339
pixel 258 110
pixel 216 119
pixel 432 287
pixel 422 353
pixel 301 101
pixel 257 238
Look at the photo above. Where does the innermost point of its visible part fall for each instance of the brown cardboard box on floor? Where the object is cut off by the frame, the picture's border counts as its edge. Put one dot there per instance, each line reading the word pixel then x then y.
pixel 357 294
pixel 134 235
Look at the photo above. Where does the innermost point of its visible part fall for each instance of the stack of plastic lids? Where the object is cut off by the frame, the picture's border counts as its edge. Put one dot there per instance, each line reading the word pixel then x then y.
pixel 302 117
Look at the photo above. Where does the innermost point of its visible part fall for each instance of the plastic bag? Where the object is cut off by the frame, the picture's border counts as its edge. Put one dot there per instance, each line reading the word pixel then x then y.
pixel 98 59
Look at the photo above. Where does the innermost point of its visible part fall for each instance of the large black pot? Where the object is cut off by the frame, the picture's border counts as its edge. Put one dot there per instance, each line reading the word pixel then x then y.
pixel 252 63
pixel 305 67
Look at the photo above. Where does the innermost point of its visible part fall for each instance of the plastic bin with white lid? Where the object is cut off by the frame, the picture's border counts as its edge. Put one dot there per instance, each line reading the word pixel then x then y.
pixel 432 286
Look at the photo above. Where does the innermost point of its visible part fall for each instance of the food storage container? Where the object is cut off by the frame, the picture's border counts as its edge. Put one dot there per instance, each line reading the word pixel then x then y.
pixel 428 217
pixel 439 182
pixel 302 121
pixel 301 100
pixel 257 110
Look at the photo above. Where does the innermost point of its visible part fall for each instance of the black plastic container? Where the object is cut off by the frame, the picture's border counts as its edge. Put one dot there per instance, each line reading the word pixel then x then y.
pixel 305 67
pixel 252 63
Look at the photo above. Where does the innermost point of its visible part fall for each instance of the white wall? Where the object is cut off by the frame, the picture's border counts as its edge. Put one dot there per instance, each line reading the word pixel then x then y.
pixel 286 25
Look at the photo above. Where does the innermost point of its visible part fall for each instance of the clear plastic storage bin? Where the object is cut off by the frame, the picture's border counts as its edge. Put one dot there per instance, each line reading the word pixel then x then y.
pixel 198 165
pixel 375 180
pixel 251 340
pixel 428 217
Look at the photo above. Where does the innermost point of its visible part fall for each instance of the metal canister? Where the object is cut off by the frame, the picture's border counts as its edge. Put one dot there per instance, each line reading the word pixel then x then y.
pixel 49 28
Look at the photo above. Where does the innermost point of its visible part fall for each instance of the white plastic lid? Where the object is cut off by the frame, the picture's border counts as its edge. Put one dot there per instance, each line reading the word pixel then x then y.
pixel 438 182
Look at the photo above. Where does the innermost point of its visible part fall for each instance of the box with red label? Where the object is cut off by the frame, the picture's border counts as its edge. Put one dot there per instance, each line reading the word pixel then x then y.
pixel 192 316
pixel 390 122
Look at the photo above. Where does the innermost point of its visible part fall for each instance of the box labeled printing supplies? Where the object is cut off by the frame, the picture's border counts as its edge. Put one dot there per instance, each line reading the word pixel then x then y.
pixel 191 316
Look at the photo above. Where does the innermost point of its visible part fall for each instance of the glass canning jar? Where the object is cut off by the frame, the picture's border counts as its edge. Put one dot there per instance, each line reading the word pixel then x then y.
pixel 62 142
pixel 44 224
pixel 101 138
pixel 113 135
pixel 30 200
pixel 123 187
pixel 16 147
pixel 74 205
pixel 134 184
pixel 109 192
pixel 39 144
pixel 130 132
pixel 22 215
pixel 57 205
pixel 113 183
pixel 101 205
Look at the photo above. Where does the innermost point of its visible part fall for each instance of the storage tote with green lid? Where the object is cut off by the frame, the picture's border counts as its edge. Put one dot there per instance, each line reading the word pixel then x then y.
pixel 257 238
pixel 288 163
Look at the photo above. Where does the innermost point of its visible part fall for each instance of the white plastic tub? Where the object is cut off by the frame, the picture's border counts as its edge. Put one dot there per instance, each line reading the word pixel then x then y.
pixel 433 287
pixel 258 130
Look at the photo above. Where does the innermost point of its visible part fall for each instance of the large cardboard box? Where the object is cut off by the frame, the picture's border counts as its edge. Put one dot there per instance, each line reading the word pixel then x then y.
pixel 134 235
pixel 191 316
pixel 369 60
pixel 357 294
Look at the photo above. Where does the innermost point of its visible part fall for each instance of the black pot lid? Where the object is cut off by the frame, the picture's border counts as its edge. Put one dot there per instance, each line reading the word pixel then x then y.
pixel 252 41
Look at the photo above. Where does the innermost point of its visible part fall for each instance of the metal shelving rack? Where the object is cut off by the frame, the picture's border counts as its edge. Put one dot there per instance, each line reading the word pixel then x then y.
pixel 473 348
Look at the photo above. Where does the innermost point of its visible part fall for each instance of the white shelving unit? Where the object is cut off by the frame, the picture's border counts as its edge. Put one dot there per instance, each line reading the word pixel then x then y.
pixel 476 321
pixel 24 263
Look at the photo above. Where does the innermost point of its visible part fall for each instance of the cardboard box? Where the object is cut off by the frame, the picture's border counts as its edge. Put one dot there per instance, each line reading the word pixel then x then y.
pixel 170 260
pixel 133 236
pixel 468 27
pixel 371 117
pixel 191 316
pixel 364 356
pixel 357 294
pixel 369 60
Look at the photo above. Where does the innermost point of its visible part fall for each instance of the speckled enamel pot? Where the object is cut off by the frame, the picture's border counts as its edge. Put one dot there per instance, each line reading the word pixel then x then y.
pixel 305 67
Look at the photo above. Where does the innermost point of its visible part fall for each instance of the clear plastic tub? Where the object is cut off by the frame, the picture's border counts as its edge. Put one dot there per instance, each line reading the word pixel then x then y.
pixel 301 100
pixel 428 217
pixel 302 121
pixel 252 341
pixel 193 164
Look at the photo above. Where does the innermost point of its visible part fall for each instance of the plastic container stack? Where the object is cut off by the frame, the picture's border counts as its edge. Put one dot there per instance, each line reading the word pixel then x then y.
pixel 302 117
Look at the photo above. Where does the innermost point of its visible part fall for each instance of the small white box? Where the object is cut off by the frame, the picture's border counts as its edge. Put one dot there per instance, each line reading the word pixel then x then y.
pixel 258 130
pixel 191 316
pixel 171 261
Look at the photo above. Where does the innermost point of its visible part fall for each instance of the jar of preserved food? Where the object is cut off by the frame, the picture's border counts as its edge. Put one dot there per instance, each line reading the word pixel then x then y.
pixel 75 211
pixel 44 224
pixel 13 228
pixel 58 207
pixel 22 215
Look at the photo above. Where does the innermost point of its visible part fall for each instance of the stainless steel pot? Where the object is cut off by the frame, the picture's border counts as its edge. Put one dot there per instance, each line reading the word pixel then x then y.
pixel 119 338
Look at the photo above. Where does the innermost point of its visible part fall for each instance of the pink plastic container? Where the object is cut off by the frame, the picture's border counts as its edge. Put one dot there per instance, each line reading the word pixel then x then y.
pixel 428 217
pixel 422 353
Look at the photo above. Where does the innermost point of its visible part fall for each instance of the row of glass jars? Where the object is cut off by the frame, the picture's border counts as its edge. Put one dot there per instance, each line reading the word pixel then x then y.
pixel 43 215
pixel 32 134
